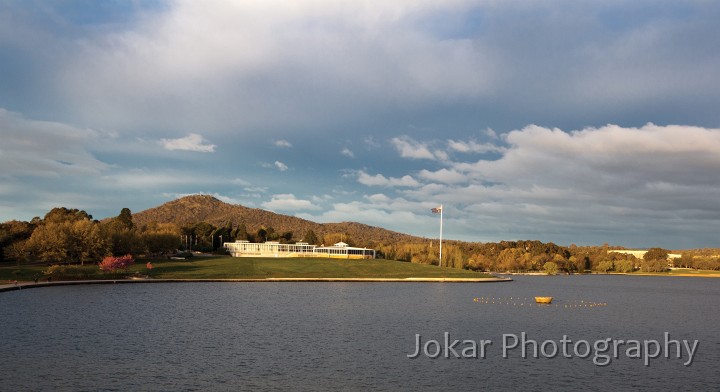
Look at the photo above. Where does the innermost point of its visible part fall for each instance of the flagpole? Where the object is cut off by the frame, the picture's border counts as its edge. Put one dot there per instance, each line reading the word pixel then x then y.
pixel 441 213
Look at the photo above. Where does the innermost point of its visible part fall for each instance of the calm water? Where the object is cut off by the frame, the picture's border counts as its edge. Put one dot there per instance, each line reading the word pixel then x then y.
pixel 350 336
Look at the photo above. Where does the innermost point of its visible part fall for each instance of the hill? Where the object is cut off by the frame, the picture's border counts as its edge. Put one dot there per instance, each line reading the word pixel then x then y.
pixel 205 208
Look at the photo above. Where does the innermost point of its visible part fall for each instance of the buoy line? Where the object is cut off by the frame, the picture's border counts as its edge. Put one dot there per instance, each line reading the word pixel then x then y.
pixel 525 301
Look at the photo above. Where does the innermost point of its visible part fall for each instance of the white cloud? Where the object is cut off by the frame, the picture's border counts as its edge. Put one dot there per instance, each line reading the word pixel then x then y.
pixel 280 166
pixel 191 142
pixel 256 189
pixel 618 183
pixel 240 181
pixel 47 149
pixel 380 180
pixel 444 176
pixel 381 210
pixel 472 146
pixel 282 143
pixel 409 148
pixel 288 202
pixel 225 64
pixel 346 151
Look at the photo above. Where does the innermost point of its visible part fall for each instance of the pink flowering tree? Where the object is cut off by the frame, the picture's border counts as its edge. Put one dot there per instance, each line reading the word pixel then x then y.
pixel 112 264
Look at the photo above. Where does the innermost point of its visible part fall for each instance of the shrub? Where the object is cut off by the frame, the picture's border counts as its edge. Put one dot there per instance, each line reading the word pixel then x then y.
pixel 67 272
pixel 112 264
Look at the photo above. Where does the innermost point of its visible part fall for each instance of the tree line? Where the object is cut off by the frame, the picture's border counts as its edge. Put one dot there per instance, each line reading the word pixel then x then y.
pixel 66 235
pixel 72 236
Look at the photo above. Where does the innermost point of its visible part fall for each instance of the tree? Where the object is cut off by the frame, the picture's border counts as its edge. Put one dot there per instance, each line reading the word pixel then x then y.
pixel 125 220
pixel 62 214
pixel 686 260
pixel 551 268
pixel 12 234
pixel 261 235
pixel 510 259
pixel 159 243
pixel 240 233
pixel 68 241
pixel 286 237
pixel 123 241
pixel 656 254
pixel 86 242
pixel 49 242
pixel 605 266
pixel 624 266
pixel 656 265
pixel 310 238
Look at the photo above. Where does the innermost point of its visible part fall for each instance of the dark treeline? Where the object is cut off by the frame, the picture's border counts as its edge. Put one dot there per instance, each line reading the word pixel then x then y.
pixel 72 236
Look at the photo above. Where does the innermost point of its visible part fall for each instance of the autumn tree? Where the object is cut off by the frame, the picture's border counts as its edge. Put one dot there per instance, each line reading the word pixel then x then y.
pixel 551 268
pixel 70 241
pixel 656 254
pixel 13 235
pixel 62 214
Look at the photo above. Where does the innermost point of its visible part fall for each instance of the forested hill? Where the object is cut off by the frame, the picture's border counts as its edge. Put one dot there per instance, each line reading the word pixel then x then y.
pixel 204 208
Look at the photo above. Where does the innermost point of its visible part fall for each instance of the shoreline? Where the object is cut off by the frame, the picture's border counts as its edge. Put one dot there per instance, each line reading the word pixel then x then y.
pixel 32 285
pixel 690 275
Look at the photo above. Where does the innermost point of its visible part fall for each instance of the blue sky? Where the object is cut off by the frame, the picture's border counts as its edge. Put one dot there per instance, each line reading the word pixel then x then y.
pixel 574 122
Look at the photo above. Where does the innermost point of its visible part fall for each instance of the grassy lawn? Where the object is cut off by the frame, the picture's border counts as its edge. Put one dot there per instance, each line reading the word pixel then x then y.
pixel 225 267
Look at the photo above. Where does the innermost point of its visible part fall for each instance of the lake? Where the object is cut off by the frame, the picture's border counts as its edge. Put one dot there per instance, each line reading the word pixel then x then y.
pixel 358 336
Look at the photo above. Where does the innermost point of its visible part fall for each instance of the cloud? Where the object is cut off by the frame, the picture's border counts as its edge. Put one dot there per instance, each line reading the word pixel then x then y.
pixel 325 74
pixel 383 211
pixel 233 66
pixel 444 176
pixel 280 166
pixel 409 148
pixel 191 142
pixel 46 148
pixel 346 151
pixel 380 180
pixel 613 157
pixel 646 186
pixel 240 181
pixel 472 147
pixel 288 202
pixel 241 63
pixel 282 143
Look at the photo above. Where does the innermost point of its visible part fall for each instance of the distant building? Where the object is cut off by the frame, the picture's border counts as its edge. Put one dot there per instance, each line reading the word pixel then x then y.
pixel 340 250
pixel 639 254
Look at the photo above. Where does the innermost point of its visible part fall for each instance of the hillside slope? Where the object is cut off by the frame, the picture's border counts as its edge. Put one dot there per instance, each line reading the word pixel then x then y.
pixel 205 208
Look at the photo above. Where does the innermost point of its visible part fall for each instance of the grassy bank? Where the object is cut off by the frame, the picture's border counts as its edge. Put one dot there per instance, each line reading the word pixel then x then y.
pixel 682 272
pixel 224 267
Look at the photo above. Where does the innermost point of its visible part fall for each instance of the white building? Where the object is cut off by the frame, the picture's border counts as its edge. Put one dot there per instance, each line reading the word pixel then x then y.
pixel 340 250
pixel 640 254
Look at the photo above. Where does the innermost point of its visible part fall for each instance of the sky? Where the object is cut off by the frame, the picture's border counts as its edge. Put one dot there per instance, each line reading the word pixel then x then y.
pixel 573 122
